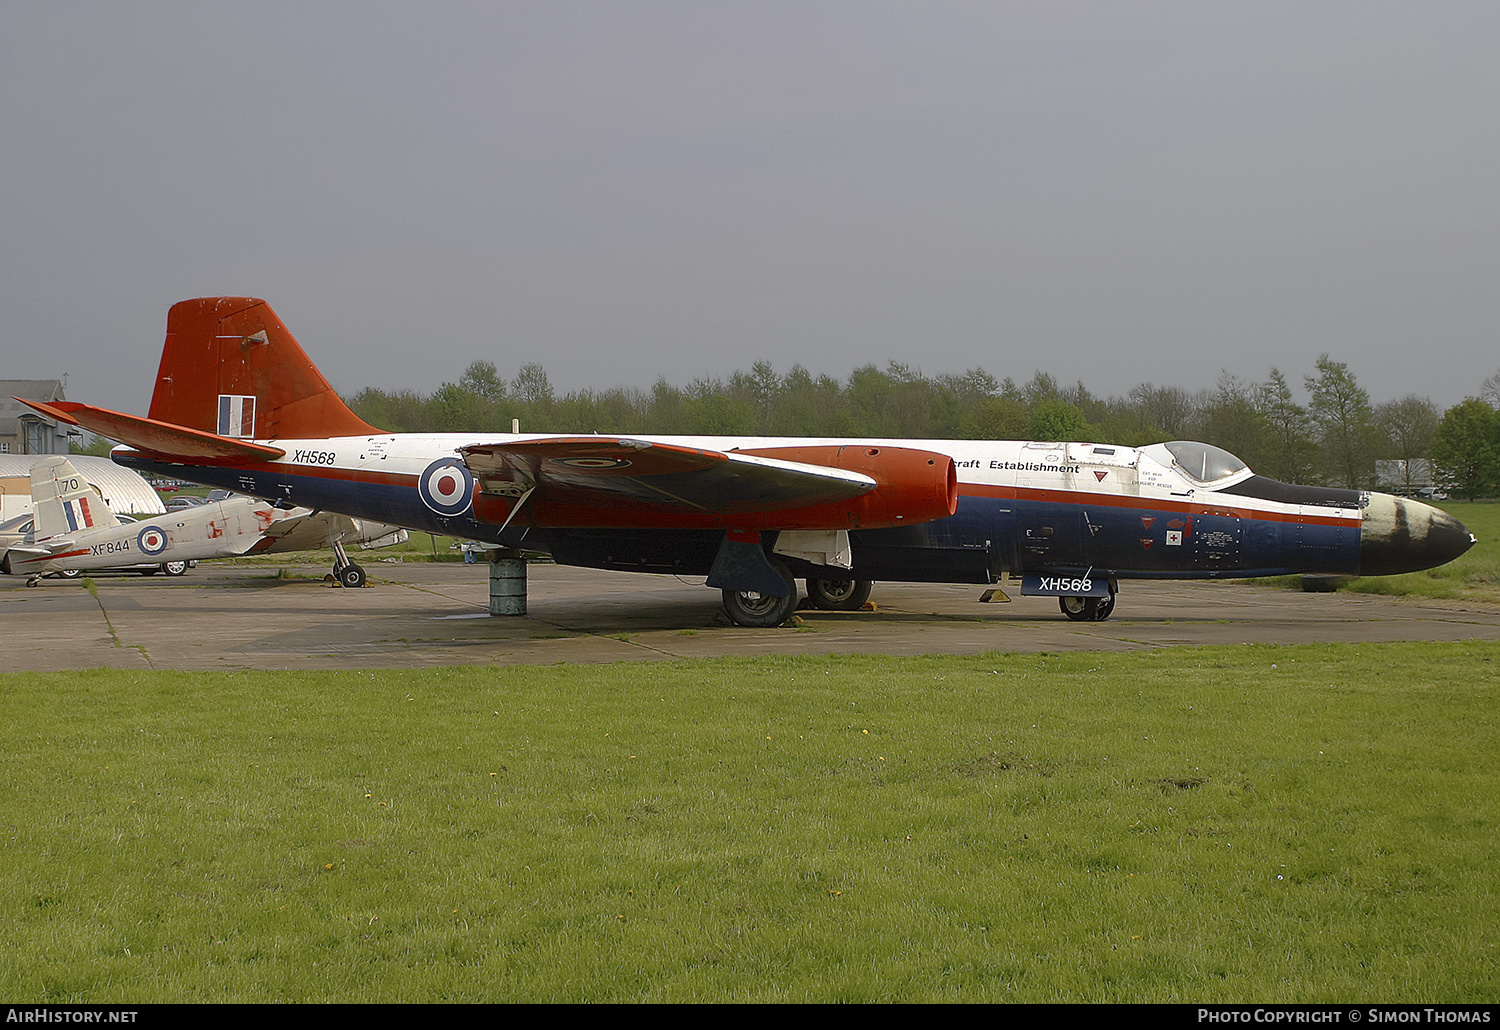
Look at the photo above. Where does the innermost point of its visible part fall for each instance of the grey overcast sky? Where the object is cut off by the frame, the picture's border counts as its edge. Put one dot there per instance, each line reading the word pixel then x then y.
pixel 1117 192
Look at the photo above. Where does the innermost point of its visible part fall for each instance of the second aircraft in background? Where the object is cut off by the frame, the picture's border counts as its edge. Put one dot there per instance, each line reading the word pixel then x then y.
pixel 74 530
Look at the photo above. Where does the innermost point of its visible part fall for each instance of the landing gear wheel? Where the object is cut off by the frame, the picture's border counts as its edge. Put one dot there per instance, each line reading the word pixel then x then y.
pixel 758 611
pixel 1087 609
pixel 70 573
pixel 1079 609
pixel 839 595
pixel 350 576
pixel 174 568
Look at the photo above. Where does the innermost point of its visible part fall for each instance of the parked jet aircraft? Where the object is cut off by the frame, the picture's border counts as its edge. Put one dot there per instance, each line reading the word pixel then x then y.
pixel 238 404
pixel 74 529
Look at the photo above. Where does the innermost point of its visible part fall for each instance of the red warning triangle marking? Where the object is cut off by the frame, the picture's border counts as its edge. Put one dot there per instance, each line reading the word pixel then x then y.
pixel 1146 542
pixel 1147 521
pixel 1100 475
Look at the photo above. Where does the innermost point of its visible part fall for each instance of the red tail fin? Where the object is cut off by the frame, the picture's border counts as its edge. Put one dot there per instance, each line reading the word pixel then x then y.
pixel 230 367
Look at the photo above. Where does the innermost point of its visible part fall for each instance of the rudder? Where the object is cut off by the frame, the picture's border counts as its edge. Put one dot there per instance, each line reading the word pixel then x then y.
pixel 62 501
pixel 229 366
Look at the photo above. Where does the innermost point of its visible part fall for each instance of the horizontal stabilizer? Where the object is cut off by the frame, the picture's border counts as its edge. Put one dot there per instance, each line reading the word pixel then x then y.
pixel 43 549
pixel 160 439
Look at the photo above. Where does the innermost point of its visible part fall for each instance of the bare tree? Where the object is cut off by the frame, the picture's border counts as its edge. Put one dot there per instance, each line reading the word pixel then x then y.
pixel 1171 409
pixel 1489 391
pixel 1406 427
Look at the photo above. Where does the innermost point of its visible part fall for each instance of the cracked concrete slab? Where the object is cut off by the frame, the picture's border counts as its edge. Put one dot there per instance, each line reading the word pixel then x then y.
pixel 422 615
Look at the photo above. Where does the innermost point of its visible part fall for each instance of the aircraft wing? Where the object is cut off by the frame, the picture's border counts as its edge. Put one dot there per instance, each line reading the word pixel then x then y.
pixel 158 438
pixel 303 529
pixel 626 473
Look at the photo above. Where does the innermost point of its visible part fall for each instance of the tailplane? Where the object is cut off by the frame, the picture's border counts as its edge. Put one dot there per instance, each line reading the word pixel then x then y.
pixel 230 367
pixel 62 501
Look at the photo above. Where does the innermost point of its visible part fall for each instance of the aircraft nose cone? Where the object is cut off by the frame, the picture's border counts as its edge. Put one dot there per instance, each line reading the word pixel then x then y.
pixel 1401 535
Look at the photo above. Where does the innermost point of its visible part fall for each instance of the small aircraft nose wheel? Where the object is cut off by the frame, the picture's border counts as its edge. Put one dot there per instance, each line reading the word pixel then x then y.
pixel 174 568
pixel 1087 609
pixel 350 576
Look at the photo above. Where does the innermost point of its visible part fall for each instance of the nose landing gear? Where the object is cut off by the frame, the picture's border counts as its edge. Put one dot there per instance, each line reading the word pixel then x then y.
pixel 1087 609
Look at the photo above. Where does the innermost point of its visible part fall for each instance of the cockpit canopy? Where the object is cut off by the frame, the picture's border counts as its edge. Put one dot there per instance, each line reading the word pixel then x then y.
pixel 1200 462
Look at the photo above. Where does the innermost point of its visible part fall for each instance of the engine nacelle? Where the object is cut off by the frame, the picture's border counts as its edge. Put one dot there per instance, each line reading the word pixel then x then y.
pixel 915 486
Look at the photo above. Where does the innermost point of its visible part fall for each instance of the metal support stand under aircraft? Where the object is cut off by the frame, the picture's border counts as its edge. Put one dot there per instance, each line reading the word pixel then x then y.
pixel 507 581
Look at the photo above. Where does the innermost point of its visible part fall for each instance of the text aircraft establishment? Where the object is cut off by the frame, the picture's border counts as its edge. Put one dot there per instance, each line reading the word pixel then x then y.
pixel 75 530
pixel 238 404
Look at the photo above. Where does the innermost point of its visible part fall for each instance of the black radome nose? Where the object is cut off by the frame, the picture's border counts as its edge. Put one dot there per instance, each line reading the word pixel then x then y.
pixel 1400 535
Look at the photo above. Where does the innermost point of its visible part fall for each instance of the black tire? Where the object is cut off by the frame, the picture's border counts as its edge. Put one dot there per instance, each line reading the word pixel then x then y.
pixel 1316 584
pixel 759 611
pixel 5 564
pixel 174 568
pixel 1079 609
pixel 1087 609
pixel 70 573
pixel 350 576
pixel 839 595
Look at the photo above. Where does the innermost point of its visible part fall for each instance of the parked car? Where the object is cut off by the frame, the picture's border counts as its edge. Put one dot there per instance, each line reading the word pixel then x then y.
pixel 185 501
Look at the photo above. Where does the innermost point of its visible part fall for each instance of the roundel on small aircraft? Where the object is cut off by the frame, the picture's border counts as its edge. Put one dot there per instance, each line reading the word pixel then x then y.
pixel 151 540
pixel 447 487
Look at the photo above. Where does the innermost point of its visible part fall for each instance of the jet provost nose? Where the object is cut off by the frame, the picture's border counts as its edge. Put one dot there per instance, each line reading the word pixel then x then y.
pixel 1400 535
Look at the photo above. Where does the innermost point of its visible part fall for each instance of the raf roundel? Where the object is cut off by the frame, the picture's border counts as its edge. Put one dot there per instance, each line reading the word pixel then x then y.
pixel 593 463
pixel 151 540
pixel 447 487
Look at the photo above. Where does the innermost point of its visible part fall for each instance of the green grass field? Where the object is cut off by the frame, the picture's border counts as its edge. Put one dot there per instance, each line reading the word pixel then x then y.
pixel 1230 824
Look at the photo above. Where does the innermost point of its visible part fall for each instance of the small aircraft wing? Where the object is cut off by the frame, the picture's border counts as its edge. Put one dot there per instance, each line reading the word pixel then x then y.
pixel 159 438
pixel 303 529
pixel 642 474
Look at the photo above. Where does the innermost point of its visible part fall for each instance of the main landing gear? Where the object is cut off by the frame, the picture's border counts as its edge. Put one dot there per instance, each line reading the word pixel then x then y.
pixel 758 610
pixel 839 595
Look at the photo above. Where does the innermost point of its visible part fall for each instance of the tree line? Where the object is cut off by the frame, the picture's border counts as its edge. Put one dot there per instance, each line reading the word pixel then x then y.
pixel 1335 438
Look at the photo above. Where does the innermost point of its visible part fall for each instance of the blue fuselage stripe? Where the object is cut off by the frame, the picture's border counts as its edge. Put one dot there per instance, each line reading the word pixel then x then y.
pixel 1015 535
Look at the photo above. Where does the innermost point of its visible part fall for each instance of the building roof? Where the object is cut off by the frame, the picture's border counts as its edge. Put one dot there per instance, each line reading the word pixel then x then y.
pixel 47 390
pixel 124 489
